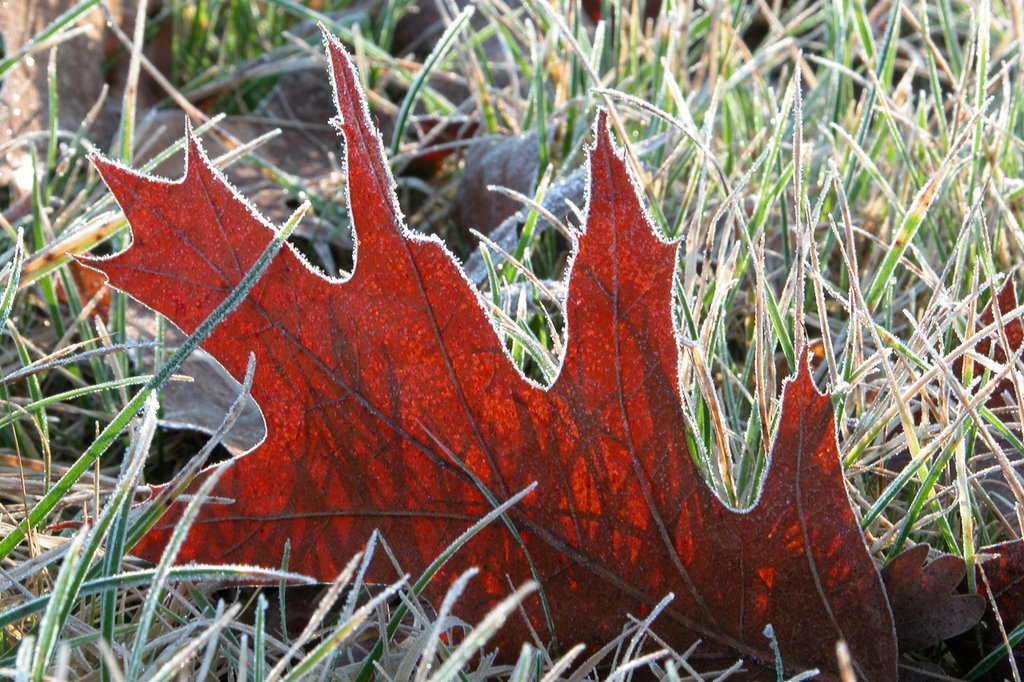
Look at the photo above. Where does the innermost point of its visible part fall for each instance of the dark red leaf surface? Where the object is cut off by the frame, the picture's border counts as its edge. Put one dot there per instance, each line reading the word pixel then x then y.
pixel 390 403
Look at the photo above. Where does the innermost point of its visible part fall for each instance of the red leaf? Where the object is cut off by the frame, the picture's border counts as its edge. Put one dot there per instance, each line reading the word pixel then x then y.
pixel 373 387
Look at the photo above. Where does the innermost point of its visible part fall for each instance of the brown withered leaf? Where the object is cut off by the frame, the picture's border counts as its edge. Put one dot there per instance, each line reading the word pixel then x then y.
pixel 510 162
pixel 925 605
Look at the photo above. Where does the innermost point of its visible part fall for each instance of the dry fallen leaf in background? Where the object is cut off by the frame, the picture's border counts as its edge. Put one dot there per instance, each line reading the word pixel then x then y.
pixel 925 605
pixel 510 162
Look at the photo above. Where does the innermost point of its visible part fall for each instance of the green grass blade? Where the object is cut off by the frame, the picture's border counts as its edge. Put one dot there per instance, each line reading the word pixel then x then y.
pixel 62 597
pixel 439 51
pixel 483 631
pixel 912 221
pixel 156 590
pixel 174 666
pixel 13 273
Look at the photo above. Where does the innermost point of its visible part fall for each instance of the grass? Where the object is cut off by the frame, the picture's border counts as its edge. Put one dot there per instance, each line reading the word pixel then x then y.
pixel 841 177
